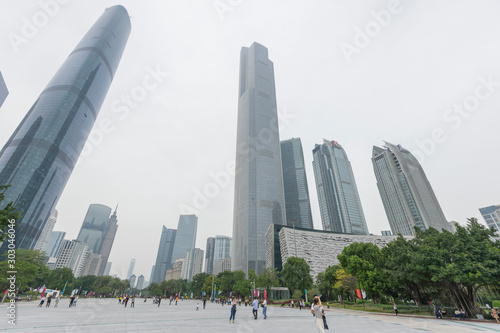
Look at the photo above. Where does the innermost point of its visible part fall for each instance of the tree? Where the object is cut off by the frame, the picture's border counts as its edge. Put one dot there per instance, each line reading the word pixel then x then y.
pixel 210 281
pixel 267 279
pixel 7 214
pixel 196 286
pixel 326 281
pixel 30 267
pixel 86 283
pixel 154 289
pixel 345 283
pixel 58 277
pixel 295 274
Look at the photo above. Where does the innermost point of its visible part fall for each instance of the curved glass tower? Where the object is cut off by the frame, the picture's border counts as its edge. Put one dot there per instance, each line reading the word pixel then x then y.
pixel 39 157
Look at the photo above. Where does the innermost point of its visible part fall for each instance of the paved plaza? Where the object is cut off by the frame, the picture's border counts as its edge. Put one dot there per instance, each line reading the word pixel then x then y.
pixel 106 315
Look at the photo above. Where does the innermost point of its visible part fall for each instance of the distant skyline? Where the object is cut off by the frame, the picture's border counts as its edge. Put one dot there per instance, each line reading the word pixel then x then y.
pixel 169 147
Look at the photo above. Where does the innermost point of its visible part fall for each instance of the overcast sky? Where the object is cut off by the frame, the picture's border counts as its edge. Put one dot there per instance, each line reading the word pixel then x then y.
pixel 399 83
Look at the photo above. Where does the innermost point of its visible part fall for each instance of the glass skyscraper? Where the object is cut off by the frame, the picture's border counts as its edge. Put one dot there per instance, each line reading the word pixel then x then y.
pixel 222 248
pixel 93 229
pixel 338 196
pixel 491 215
pixel 3 90
pixel 258 192
pixel 298 206
pixel 164 256
pixel 39 157
pixel 407 195
pixel 107 243
pixel 185 238
pixel 209 255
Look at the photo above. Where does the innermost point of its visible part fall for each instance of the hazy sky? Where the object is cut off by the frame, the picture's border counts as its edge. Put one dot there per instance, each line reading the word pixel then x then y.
pixel 425 71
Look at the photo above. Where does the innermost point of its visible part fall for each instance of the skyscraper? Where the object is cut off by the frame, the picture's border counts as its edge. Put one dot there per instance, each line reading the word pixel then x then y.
pixel 338 196
pixel 3 90
pixel 54 243
pixel 491 215
pixel 107 243
pixel 93 229
pixel 407 195
pixel 298 206
pixel 40 155
pixel 131 269
pixel 222 248
pixel 164 256
pixel 41 244
pixel 140 282
pixel 73 255
pixel 209 255
pixel 133 279
pixel 192 264
pixel 106 269
pixel 185 237
pixel 258 191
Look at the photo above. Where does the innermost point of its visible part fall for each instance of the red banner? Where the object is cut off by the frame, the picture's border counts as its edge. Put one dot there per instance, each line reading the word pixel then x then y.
pixel 358 292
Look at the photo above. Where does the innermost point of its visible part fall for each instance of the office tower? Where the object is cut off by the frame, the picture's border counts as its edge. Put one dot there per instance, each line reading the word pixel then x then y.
pixel 185 237
pixel 42 241
pixel 3 90
pixel 93 228
pixel 407 195
pixel 40 155
pixel 258 191
pixel 338 197
pixel 131 269
pixel 92 264
pixel 386 233
pixel 107 243
pixel 164 255
pixel 297 204
pixel 174 273
pixel 73 255
pixel 209 255
pixel 152 273
pixel 491 215
pixel 107 268
pixel 54 244
pixel 132 280
pixel 222 248
pixel 140 282
pixel 223 265
pixel 192 264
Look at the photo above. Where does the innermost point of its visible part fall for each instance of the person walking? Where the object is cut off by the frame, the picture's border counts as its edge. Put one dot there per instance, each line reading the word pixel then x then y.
pixel 72 299
pixel 120 300
pixel 76 300
pixel 204 303
pixel 395 308
pixel 49 299
pixel 255 309
pixel 317 312
pixel 132 305
pixel 176 300
pixel 437 312
pixel 42 301
pixel 125 301
pixel 57 301
pixel 233 312
pixel 159 301
pixel 264 308
pixel 494 314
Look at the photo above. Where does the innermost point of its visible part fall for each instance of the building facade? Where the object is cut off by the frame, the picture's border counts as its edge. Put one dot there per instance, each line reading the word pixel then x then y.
pixel 175 272
pixel 209 255
pixel 407 195
pixel 54 244
pixel 40 155
pixel 4 92
pixel 192 264
pixel 164 255
pixel 258 196
pixel 131 269
pixel 43 240
pixel 106 269
pixel 185 237
pixel 92 264
pixel 491 215
pixel 73 255
pixel 140 282
pixel 107 243
pixel 222 248
pixel 339 202
pixel 297 203
pixel 93 229
pixel 223 265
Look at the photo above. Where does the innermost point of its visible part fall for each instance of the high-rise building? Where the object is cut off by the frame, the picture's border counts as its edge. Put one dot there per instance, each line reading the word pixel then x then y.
pixel 41 244
pixel 164 255
pixel 39 157
pixel 132 280
pixel 339 202
pixel 209 255
pixel 491 215
pixel 222 248
pixel 152 273
pixel 192 264
pixel 92 264
pixel 407 195
pixel 258 191
pixel 54 244
pixel 185 237
pixel 297 204
pixel 73 255
pixel 107 268
pixel 93 228
pixel 174 273
pixel 4 92
pixel 131 269
pixel 107 243
pixel 223 265
pixel 140 282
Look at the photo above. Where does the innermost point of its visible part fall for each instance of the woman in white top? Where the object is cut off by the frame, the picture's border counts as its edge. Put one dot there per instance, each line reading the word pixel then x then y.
pixel 317 311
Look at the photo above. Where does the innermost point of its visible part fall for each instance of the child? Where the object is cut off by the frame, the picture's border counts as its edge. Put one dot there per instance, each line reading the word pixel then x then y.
pixel 197 306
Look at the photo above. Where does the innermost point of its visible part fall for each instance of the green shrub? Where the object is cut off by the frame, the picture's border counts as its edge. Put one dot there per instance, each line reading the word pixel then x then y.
pixel 496 304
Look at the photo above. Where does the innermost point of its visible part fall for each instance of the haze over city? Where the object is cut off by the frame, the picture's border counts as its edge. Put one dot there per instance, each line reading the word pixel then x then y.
pixel 165 139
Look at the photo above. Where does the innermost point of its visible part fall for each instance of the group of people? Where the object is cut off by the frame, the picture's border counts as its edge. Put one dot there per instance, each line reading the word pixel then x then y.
pixel 124 300
pixel 255 308
pixel 48 300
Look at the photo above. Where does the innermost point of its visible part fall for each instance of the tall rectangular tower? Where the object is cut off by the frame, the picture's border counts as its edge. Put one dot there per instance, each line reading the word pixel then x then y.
pixel 491 215
pixel 93 229
pixel 185 238
pixel 338 196
pixel 258 191
pixel 407 195
pixel 107 243
pixel 39 157
pixel 222 248
pixel 209 255
pixel 164 255
pixel 298 206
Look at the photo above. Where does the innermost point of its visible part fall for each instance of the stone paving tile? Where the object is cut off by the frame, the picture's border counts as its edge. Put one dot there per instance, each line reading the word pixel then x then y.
pixel 106 315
